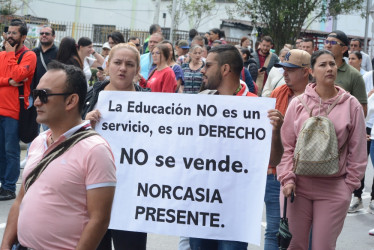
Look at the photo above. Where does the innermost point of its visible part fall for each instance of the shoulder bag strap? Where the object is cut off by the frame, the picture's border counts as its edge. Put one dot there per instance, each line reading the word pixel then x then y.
pixel 278 82
pixel 333 105
pixel 267 60
pixel 55 153
pixel 151 74
pixel 42 59
pixel 300 97
pixel 21 56
pixel 20 88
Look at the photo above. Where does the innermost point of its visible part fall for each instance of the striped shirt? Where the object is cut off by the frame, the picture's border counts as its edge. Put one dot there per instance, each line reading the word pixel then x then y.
pixel 192 79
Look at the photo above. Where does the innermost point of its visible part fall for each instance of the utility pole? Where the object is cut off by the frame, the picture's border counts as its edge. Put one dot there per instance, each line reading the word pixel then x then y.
pixel 133 14
pixel 24 7
pixel 157 12
pixel 172 20
pixel 368 4
pixel 76 18
pixel 334 22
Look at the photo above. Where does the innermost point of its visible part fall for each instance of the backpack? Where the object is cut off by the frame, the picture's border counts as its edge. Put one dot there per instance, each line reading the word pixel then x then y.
pixel 255 88
pixel 28 128
pixel 316 152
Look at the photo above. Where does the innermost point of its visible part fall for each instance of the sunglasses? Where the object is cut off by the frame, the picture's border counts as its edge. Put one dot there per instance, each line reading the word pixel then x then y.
pixel 333 43
pixel 45 33
pixel 43 95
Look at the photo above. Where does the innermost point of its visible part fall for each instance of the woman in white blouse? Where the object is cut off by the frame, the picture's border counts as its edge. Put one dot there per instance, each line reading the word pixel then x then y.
pixel 85 49
pixel 275 78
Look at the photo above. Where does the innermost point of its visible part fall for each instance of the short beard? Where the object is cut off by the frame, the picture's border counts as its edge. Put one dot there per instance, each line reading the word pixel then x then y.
pixel 12 42
pixel 46 43
pixel 214 83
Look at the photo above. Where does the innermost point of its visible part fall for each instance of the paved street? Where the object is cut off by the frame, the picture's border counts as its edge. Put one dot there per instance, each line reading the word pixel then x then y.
pixel 354 235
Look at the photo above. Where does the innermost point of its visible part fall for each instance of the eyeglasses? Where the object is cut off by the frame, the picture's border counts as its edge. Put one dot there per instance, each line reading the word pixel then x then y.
pixel 43 95
pixel 45 33
pixel 137 44
pixel 12 33
pixel 333 43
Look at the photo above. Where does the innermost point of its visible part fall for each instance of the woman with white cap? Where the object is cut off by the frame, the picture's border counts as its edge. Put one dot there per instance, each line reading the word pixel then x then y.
pixel 105 50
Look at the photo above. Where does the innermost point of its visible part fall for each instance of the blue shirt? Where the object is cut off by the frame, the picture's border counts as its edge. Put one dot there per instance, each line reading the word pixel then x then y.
pixel 146 62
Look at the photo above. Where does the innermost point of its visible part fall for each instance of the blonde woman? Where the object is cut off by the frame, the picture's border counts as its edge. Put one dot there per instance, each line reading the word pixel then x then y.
pixel 275 78
pixel 123 66
pixel 191 71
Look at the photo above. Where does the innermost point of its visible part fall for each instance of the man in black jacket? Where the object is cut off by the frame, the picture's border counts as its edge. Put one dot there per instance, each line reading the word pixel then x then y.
pixel 45 53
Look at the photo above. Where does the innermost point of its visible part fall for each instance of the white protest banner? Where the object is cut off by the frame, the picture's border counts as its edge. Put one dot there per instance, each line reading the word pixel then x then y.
pixel 189 165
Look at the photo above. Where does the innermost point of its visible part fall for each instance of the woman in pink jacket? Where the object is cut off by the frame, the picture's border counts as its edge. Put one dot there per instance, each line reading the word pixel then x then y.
pixel 323 201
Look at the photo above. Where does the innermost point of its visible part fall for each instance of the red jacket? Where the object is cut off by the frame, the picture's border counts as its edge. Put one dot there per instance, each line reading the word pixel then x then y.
pixel 9 101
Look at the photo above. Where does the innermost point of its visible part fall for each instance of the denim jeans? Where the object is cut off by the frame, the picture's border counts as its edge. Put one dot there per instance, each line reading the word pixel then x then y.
pixel 9 153
pixel 205 244
pixel 272 212
pixel 372 160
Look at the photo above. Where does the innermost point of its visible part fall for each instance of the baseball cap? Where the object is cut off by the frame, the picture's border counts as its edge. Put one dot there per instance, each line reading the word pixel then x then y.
pixel 106 45
pixel 183 44
pixel 295 58
pixel 338 34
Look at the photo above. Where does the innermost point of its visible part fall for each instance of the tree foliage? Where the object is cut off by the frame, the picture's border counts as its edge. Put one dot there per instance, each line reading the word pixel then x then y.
pixel 195 10
pixel 8 7
pixel 283 20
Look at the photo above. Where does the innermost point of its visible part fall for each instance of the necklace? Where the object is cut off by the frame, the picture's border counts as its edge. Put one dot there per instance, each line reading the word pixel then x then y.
pixel 238 89
pixel 52 141
pixel 195 66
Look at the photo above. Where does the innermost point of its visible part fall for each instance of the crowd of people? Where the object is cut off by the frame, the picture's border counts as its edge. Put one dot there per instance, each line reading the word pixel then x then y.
pixel 60 210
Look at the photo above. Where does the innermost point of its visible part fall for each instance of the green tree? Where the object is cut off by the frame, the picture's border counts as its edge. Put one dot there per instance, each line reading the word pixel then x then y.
pixel 283 20
pixel 195 10
pixel 8 7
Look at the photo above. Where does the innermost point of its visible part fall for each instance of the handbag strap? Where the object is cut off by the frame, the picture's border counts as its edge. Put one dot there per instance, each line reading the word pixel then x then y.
pixel 333 104
pixel 310 111
pixel 21 56
pixel 20 88
pixel 55 153
pixel 285 207
pixel 267 60
pixel 278 81
pixel 304 104
pixel 42 59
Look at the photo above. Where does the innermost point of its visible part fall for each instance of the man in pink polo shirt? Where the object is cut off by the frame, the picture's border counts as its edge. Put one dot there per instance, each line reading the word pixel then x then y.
pixel 67 203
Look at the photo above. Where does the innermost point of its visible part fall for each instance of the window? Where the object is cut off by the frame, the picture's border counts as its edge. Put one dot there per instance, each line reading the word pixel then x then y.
pixel 58 27
pixel 101 32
